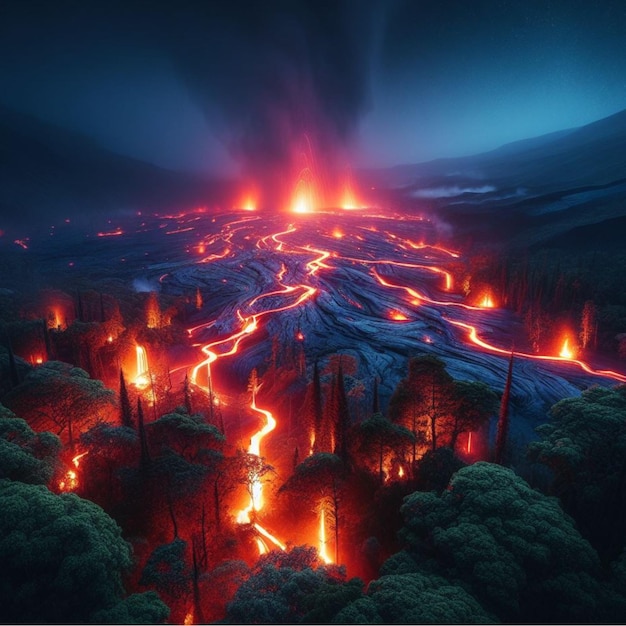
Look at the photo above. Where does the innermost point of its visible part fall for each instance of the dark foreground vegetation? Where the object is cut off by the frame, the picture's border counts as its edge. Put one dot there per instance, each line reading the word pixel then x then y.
pixel 118 499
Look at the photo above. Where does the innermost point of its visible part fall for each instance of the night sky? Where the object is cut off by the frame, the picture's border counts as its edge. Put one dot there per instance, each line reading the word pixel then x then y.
pixel 228 87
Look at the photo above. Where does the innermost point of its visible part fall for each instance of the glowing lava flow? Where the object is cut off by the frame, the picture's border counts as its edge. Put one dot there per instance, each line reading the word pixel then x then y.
pixel 250 313
pixel 256 486
pixel 475 339
pixel 248 325
pixel 566 354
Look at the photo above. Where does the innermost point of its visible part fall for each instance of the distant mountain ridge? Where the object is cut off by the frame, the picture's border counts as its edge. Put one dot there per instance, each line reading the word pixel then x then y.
pixel 47 173
pixel 527 192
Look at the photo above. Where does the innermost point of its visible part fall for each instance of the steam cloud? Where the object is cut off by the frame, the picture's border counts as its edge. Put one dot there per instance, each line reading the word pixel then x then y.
pixel 271 77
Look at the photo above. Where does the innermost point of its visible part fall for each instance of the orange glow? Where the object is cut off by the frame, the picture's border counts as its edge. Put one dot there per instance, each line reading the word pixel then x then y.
pixel 566 350
pixel 348 199
pixel 70 481
pixel 55 319
pixel 39 360
pixel 142 377
pixel 249 205
pixel 111 233
pixel 294 283
pixel 153 311
pixel 398 316
pixel 256 486
pixel 475 339
pixel 188 621
pixel 249 202
pixel 487 302
pixel 322 551
pixel 110 339
pixel 304 196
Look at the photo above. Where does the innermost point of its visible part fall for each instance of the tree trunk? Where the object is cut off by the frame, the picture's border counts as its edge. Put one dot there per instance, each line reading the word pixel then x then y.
pixel 216 501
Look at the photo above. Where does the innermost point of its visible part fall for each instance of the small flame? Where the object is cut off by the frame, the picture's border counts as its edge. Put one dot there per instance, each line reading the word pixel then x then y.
pixel 70 480
pixel 398 316
pixel 469 443
pixel 322 538
pixel 566 351
pixel 39 360
pixel 142 379
pixel 487 302
pixel 400 472
pixel 337 234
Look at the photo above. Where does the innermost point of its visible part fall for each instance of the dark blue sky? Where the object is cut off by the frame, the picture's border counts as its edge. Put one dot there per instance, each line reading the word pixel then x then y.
pixel 233 86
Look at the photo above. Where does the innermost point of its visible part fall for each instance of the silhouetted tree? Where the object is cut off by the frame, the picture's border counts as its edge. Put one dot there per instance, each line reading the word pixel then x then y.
pixel 423 400
pixel 509 545
pixel 25 455
pixel 503 419
pixel 584 444
pixel 126 413
pixel 141 431
pixel 61 398
pixel 377 438
pixel 187 395
pixel 62 561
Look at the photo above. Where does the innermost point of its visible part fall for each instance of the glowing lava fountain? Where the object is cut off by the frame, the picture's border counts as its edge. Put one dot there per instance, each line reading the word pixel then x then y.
pixel 322 551
pixel 566 351
pixel 142 378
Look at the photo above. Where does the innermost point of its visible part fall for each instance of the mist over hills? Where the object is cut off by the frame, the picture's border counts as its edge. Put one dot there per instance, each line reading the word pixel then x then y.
pixel 543 190
pixel 48 173
pixel 528 192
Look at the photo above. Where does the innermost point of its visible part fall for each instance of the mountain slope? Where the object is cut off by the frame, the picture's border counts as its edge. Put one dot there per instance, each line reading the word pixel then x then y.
pixel 527 192
pixel 47 173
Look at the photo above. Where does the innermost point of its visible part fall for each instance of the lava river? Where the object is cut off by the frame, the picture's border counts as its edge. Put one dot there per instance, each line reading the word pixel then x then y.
pixel 367 285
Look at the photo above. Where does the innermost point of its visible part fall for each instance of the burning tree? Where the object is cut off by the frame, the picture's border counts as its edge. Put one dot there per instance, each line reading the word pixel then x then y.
pixel 588 324
pixel 60 398
pixel 423 400
pixel 378 439
pixel 322 475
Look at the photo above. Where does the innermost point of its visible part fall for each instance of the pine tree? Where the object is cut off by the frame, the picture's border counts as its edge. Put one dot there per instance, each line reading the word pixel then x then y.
pixel 587 324
pixel 145 454
pixel 375 402
pixel 46 339
pixel 503 419
pixel 342 419
pixel 187 395
pixel 79 307
pixel 14 374
pixel 126 414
